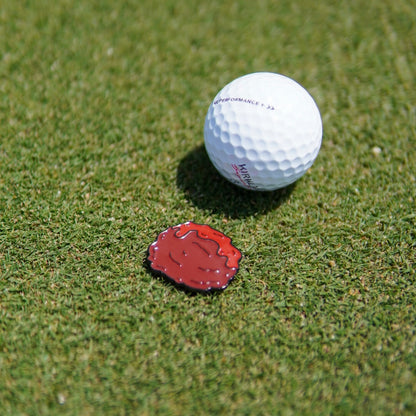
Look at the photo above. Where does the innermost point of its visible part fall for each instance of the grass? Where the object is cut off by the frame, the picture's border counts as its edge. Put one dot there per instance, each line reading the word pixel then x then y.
pixel 102 107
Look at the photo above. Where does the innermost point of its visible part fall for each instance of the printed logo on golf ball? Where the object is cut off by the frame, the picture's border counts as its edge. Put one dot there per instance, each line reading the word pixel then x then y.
pixel 263 131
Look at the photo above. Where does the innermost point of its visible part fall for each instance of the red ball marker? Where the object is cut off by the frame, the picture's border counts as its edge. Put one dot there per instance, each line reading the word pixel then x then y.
pixel 195 256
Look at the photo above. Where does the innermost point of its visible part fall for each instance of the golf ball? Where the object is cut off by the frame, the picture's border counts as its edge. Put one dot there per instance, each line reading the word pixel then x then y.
pixel 263 131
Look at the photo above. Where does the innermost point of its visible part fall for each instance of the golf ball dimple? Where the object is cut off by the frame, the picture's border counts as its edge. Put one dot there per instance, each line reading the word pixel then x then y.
pixel 263 131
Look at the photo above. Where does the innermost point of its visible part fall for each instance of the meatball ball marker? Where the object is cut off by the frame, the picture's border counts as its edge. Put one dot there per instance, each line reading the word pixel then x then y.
pixel 195 256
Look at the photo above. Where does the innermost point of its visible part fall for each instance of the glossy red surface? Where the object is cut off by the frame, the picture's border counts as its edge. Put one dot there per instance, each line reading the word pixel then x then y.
pixel 196 256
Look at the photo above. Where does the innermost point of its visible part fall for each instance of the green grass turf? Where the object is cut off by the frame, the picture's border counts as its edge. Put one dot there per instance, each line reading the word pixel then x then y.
pixel 102 105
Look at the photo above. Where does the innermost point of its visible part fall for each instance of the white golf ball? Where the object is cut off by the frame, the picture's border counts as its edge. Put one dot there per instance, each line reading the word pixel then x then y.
pixel 263 131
